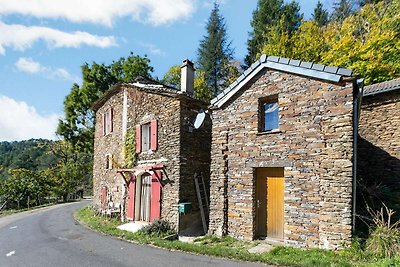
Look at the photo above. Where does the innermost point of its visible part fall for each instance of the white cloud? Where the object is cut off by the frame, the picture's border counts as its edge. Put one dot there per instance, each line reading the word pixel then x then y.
pixel 155 12
pixel 28 65
pixel 19 121
pixel 20 37
pixel 153 49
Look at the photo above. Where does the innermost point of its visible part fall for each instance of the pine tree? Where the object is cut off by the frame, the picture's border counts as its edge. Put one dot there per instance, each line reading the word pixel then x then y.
pixel 341 10
pixel 215 52
pixel 267 14
pixel 320 15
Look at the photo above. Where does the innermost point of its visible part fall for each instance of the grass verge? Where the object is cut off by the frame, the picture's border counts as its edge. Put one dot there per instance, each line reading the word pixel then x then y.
pixel 13 211
pixel 231 248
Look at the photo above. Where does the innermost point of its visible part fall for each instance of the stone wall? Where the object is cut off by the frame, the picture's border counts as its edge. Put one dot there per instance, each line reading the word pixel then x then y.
pixel 379 144
pixel 195 153
pixel 182 151
pixel 109 144
pixel 313 145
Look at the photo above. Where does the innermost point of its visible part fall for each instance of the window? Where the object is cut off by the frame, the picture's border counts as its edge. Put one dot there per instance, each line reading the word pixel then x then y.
pixel 269 114
pixel 109 162
pixel 108 122
pixel 147 136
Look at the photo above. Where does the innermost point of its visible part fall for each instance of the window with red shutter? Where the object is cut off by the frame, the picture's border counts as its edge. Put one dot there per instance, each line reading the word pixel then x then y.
pixel 154 133
pixel 138 139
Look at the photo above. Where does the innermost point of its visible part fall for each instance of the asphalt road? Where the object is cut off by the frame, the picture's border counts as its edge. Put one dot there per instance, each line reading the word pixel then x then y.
pixel 51 237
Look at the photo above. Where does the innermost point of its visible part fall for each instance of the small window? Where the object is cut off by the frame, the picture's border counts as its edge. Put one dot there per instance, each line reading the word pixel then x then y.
pixel 146 137
pixel 269 114
pixel 109 162
pixel 108 121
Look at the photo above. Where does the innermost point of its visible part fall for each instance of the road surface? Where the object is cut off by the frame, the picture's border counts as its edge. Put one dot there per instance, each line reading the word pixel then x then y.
pixel 51 237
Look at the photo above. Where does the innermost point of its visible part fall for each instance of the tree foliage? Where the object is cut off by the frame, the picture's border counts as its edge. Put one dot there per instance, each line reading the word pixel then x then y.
pixel 215 53
pixel 78 125
pixel 320 15
pixel 341 10
pixel 271 18
pixel 367 42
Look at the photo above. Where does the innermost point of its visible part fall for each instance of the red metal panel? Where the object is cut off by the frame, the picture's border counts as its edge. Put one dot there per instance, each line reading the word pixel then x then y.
pixel 154 133
pixel 130 210
pixel 155 208
pixel 104 197
pixel 138 139
pixel 111 119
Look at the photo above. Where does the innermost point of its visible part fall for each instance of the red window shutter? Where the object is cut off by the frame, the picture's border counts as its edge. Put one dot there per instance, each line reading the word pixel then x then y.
pixel 154 133
pixel 104 197
pixel 130 209
pixel 155 201
pixel 138 139
pixel 111 119
pixel 103 120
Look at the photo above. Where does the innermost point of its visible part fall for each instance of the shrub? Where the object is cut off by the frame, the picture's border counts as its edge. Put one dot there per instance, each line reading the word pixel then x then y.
pixel 384 239
pixel 158 228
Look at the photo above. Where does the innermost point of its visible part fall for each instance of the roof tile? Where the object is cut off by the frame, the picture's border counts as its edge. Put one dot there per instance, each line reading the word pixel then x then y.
pixel 284 60
pixel 306 64
pixel 294 62
pixel 344 72
pixel 331 69
pixel 273 59
pixel 318 67
pixel 382 87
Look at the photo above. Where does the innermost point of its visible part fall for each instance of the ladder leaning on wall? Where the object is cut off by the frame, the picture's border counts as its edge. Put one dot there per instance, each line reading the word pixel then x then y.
pixel 202 198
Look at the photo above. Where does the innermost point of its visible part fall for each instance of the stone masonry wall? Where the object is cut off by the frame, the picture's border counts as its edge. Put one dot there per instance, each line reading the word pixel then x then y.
pixel 379 139
pixel 195 153
pixel 314 145
pixel 108 145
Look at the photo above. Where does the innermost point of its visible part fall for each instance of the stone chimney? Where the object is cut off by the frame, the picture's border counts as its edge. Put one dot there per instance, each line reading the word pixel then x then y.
pixel 187 77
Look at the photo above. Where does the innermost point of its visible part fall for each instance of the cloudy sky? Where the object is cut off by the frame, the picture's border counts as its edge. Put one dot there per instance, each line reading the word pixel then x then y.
pixel 43 43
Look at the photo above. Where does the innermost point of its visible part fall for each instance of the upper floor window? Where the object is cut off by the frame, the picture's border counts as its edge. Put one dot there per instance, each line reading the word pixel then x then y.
pixel 269 110
pixel 108 121
pixel 147 136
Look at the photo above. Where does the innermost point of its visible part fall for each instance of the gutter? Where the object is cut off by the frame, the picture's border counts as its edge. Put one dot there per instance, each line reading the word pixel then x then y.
pixel 358 86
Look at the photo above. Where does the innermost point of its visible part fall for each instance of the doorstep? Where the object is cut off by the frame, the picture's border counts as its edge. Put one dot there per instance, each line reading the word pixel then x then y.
pixel 132 227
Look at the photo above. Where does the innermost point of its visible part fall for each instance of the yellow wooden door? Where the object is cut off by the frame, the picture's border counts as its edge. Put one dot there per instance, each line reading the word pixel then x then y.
pixel 275 204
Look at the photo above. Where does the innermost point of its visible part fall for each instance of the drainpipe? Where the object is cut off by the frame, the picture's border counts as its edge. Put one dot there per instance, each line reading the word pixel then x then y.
pixel 358 86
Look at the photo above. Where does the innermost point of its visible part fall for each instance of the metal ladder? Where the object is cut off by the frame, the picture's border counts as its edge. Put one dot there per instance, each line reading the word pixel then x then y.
pixel 202 199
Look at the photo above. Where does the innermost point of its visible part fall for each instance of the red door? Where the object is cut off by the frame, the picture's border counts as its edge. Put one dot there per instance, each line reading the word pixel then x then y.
pixel 104 197
pixel 130 209
pixel 155 209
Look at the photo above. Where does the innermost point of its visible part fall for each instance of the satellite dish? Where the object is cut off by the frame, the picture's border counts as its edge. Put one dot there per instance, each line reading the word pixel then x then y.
pixel 199 119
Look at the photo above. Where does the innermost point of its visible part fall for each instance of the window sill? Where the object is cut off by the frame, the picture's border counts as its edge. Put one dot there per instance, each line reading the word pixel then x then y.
pixel 276 131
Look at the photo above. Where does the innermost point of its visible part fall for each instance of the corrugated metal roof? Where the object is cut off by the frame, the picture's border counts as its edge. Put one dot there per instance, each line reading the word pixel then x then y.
pixel 303 68
pixel 382 87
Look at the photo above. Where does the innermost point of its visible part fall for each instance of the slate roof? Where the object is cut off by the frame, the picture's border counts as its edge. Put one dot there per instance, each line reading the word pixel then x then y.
pixel 382 87
pixel 148 85
pixel 303 68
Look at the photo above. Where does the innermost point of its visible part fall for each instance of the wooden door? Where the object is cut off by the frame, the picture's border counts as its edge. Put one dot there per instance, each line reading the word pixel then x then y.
pixel 145 198
pixel 275 202
pixel 155 210
pixel 269 203
pixel 130 209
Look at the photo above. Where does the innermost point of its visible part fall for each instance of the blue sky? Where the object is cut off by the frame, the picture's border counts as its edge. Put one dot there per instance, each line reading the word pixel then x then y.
pixel 43 43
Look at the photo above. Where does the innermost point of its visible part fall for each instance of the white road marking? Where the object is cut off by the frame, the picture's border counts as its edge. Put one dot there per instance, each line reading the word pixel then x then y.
pixel 13 227
pixel 10 253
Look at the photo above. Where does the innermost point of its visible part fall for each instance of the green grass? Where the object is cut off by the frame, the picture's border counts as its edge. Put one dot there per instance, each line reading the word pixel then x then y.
pixel 228 247
pixel 13 211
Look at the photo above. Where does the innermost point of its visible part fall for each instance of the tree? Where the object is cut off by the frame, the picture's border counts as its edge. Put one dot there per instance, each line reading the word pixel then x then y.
pixel 320 15
pixel 78 125
pixel 341 10
pixel 201 91
pixel 267 14
pixel 215 53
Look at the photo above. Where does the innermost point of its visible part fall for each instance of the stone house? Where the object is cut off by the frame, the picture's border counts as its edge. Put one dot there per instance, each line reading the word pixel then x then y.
pixel 283 154
pixel 379 142
pixel 151 125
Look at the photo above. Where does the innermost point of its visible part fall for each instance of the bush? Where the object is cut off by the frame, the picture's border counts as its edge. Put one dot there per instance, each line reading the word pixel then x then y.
pixel 384 239
pixel 158 228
